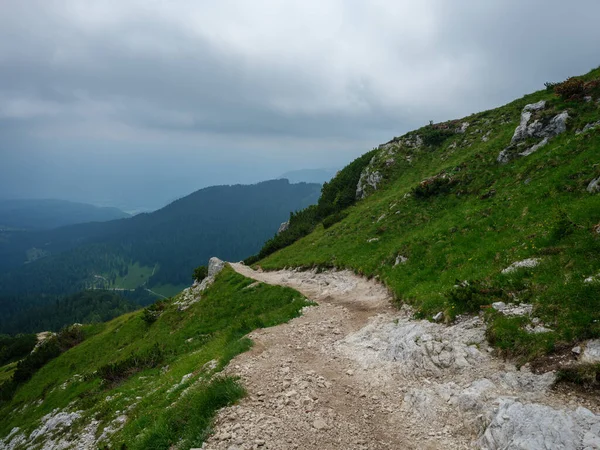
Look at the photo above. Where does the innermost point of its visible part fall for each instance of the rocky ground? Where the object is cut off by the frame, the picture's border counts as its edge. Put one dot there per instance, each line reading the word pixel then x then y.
pixel 356 373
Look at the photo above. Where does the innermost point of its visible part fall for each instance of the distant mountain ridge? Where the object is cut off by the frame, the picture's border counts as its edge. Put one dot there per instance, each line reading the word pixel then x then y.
pixel 310 175
pixel 158 250
pixel 45 214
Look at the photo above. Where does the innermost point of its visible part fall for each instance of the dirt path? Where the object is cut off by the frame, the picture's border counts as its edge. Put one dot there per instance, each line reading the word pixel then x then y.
pixel 356 373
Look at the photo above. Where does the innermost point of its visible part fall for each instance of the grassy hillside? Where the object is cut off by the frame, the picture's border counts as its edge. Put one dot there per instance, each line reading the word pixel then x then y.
pixel 156 382
pixel 460 217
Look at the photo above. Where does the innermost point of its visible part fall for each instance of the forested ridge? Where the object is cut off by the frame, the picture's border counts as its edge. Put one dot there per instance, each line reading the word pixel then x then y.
pixel 231 222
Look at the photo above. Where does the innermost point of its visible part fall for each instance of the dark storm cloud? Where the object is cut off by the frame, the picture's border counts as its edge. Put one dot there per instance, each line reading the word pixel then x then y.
pixel 287 81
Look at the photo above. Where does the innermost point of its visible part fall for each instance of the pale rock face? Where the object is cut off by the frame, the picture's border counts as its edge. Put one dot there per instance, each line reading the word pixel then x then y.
pixel 533 426
pixel 368 178
pixel 192 294
pixel 372 175
pixel 283 227
pixel 215 265
pixel 591 352
pixel 536 129
pixel 463 127
pixel 526 263
pixel 589 126
pixel 594 186
pixel 535 106
pixel 400 260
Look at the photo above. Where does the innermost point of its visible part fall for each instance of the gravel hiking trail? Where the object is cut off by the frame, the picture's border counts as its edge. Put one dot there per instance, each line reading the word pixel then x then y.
pixel 355 372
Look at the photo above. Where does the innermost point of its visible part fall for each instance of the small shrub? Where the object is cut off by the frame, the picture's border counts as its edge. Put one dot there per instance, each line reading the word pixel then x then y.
pixel 153 312
pixel 437 185
pixel 563 226
pixel 200 273
pixel 116 372
pixel 334 218
pixel 69 337
pixel 470 296
pixel 7 390
pixel 13 348
pixel 587 375
pixel 435 135
pixel 570 89
pixel 49 350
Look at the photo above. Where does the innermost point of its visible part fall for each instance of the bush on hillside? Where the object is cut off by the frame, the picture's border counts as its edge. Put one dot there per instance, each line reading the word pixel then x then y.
pixel 434 135
pixel 575 88
pixel 570 89
pixel 116 372
pixel 153 312
pixel 17 347
pixel 200 273
pixel 67 338
pixel 334 218
pixel 470 296
pixel 436 185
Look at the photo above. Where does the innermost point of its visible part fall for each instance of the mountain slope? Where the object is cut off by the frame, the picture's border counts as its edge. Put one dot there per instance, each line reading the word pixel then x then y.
pixel 157 250
pixel 144 383
pixel 41 214
pixel 446 203
pixel 496 216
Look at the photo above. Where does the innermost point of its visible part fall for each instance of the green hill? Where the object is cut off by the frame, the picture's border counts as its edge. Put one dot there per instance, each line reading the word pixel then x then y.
pixel 157 250
pixel 450 206
pixel 157 371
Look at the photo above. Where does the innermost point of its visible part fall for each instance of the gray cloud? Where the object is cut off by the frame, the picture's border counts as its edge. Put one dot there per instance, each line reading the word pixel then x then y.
pixel 280 84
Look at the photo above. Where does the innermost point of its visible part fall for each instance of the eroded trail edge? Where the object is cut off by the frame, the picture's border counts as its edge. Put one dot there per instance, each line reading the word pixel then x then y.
pixel 356 373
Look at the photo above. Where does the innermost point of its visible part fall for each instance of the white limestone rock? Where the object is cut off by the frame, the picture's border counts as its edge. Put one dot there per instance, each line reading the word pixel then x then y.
pixel 526 263
pixel 521 426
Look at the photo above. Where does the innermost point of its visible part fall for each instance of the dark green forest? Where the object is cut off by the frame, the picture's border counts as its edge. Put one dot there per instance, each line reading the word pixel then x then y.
pixel 91 306
pixel 230 222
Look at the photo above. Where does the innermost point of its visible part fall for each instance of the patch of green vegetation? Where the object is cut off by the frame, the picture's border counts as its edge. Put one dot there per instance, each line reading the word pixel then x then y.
pixel 169 290
pixel 457 214
pixel 509 335
pixel 586 375
pixel 135 275
pixel 7 371
pixel 164 373
pixel 15 348
pixel 188 422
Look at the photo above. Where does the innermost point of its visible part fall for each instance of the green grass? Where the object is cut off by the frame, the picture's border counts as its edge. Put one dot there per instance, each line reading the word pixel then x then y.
pixel 7 371
pixel 136 276
pixel 168 290
pixel 489 217
pixel 211 329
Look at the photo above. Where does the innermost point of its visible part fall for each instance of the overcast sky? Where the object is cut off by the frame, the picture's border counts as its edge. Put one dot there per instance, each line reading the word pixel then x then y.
pixel 135 102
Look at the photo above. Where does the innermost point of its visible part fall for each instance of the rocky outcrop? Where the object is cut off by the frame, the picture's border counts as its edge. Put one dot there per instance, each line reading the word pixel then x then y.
pixel 594 186
pixel 525 264
pixel 591 352
pixel 215 265
pixel 533 426
pixel 588 127
pixel 283 227
pixel 369 180
pixel 387 156
pixel 193 294
pixel 533 125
